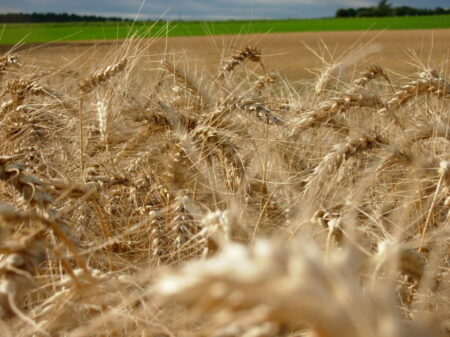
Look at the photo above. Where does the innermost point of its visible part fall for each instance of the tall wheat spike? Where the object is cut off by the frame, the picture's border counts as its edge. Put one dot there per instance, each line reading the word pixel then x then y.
pixel 330 108
pixel 429 82
pixel 92 81
pixel 340 153
pixel 246 53
pixel 369 74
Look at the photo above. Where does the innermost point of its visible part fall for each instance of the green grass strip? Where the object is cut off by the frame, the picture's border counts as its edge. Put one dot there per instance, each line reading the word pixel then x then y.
pixel 47 32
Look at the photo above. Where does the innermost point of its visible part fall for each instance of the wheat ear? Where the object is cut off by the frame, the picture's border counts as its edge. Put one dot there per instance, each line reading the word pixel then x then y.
pixel 91 82
pixel 342 152
pixel 86 86
pixel 429 82
pixel 8 61
pixel 251 105
pixel 369 74
pixel 330 108
pixel 19 89
pixel 213 143
pixel 246 53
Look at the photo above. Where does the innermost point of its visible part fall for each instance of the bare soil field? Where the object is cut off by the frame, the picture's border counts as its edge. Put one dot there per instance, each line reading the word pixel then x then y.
pixel 287 53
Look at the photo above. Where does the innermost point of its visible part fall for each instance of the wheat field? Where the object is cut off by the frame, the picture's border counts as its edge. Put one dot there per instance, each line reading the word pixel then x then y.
pixel 148 199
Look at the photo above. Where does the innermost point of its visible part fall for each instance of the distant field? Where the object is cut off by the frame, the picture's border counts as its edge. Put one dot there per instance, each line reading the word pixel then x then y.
pixel 33 33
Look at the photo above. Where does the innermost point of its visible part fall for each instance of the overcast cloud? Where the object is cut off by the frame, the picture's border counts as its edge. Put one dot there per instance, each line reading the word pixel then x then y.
pixel 203 9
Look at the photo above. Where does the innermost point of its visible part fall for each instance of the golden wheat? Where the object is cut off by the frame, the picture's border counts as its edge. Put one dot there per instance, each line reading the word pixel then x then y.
pixel 241 206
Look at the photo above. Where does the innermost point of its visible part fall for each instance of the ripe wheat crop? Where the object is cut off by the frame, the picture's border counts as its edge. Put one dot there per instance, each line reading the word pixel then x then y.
pixel 156 201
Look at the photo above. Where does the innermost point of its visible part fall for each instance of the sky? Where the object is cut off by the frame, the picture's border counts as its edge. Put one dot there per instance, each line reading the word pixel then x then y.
pixel 203 9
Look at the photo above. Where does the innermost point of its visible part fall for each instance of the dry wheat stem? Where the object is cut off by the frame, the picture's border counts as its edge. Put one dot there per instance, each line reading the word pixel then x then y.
pixel 444 171
pixel 81 136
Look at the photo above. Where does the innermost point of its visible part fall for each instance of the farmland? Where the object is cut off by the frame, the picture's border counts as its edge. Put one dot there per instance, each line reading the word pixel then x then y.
pixel 13 33
pixel 288 53
pixel 255 185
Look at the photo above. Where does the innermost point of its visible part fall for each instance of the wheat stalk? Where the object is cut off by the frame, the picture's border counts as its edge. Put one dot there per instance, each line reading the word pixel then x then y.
pixel 444 179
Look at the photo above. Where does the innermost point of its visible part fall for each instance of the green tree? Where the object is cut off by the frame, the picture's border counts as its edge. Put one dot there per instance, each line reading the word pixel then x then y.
pixel 384 8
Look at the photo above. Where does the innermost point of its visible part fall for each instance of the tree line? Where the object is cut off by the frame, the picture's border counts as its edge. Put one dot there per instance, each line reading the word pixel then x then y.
pixel 386 9
pixel 53 17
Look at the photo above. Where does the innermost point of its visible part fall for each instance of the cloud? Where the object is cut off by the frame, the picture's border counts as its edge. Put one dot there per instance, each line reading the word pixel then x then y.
pixel 9 9
pixel 323 3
